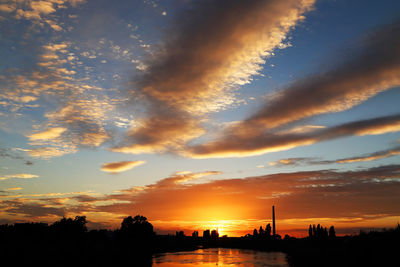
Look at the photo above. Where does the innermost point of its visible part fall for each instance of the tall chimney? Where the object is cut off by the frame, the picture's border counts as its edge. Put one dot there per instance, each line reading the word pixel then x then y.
pixel 273 221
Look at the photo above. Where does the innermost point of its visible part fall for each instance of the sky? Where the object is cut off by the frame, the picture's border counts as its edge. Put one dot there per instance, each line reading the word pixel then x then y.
pixel 201 114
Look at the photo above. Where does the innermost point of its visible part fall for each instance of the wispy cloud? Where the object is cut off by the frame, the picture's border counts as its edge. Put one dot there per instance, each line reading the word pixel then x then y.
pixel 14 188
pixel 248 142
pixel 13 153
pixel 121 166
pixel 19 176
pixel 315 161
pixel 372 156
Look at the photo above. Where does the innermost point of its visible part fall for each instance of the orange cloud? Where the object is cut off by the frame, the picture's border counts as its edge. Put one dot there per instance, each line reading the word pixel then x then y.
pixel 161 133
pixel 299 196
pixel 371 157
pixel 257 142
pixel 365 197
pixel 121 166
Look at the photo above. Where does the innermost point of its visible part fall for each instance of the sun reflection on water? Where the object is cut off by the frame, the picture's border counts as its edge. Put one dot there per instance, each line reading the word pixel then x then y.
pixel 221 257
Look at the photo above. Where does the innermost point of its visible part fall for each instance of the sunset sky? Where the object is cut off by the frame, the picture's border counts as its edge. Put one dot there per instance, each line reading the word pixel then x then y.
pixel 201 114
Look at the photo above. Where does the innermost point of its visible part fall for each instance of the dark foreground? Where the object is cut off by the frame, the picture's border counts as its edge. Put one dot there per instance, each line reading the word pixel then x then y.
pixel 68 243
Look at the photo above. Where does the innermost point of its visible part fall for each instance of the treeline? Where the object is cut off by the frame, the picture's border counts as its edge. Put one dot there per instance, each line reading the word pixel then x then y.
pixel 68 242
pixel 324 249
pixel 266 233
pixel 320 232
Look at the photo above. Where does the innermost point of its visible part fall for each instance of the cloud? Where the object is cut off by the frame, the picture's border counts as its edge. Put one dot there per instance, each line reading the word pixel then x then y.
pixel 216 46
pixel 76 110
pixel 373 69
pixel 43 7
pixel 213 48
pixel 302 129
pixel 369 71
pixel 373 156
pixel 14 188
pixel 313 161
pixel 290 162
pixel 249 142
pixel 19 176
pixel 364 193
pixel 13 153
pixel 31 210
pixel 160 133
pixel 46 196
pixel 181 178
pixel 7 7
pixel 121 166
pixel 343 197
pixel 51 133
pixel 48 152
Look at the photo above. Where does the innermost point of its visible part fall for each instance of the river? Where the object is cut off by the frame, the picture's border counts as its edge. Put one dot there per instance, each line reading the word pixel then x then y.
pixel 220 257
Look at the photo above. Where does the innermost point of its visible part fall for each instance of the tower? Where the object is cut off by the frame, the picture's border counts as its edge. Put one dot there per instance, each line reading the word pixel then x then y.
pixel 273 221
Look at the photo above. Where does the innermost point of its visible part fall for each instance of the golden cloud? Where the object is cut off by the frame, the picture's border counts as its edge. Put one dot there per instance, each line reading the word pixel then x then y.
pixel 49 134
pixel 43 7
pixel 14 188
pixel 19 176
pixel 121 166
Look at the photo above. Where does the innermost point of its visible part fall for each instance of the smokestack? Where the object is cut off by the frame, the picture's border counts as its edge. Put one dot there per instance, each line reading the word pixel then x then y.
pixel 273 221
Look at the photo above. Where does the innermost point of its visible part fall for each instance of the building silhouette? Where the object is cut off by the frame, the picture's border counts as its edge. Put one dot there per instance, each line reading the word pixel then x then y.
pixel 206 233
pixel 214 234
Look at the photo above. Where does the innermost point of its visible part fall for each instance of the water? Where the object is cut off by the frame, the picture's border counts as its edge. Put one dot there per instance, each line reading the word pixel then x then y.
pixel 221 257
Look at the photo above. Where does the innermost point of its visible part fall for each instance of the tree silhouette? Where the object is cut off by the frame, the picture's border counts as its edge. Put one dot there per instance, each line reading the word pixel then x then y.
pixel 261 231
pixel 195 234
pixel 255 233
pixel 69 226
pixel 332 233
pixel 180 234
pixel 314 231
pixel 137 227
pixel 268 230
